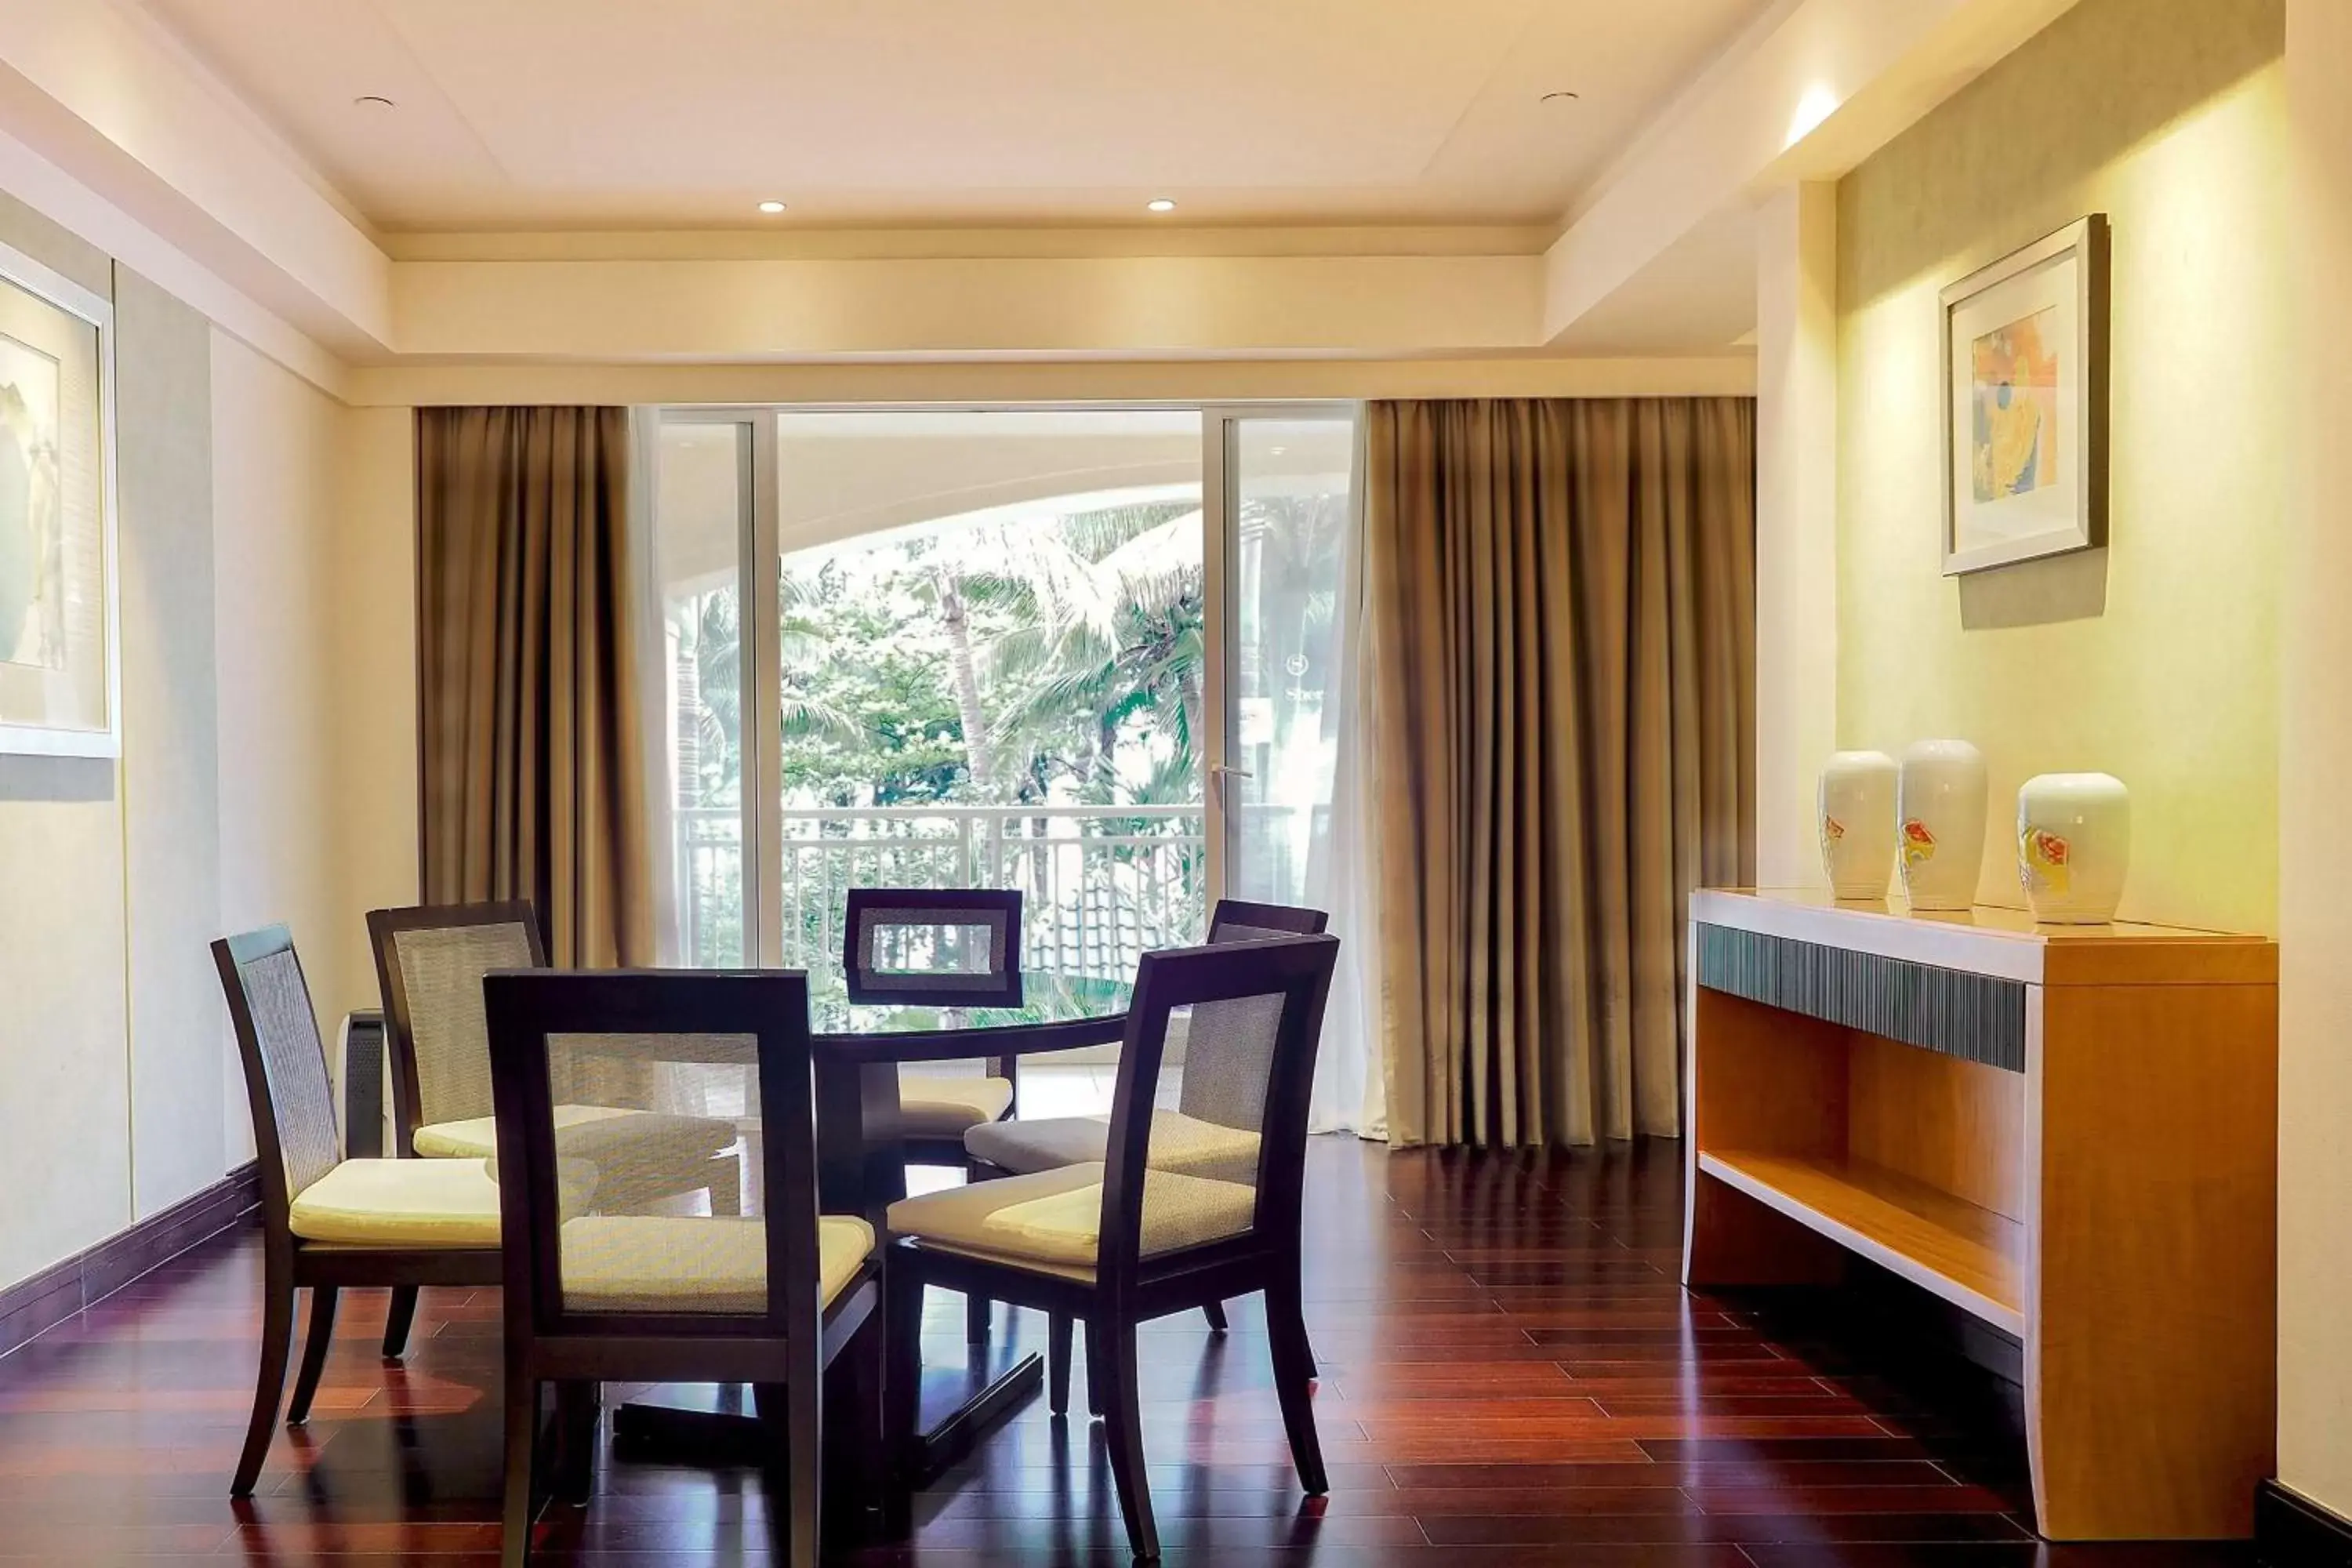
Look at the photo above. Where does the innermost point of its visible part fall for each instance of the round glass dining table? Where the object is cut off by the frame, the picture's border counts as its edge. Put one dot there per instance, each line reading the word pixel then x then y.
pixel 860 1049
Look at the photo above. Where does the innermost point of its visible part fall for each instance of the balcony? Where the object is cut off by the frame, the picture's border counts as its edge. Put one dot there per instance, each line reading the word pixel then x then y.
pixel 1101 885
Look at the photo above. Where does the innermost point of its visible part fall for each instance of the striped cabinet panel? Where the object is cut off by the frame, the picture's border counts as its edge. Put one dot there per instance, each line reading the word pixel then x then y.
pixel 1973 1017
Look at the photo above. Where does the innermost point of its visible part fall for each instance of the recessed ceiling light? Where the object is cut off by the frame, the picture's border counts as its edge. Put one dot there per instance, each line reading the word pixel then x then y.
pixel 374 101
pixel 1159 205
pixel 772 208
pixel 1277 451
pixel 1561 96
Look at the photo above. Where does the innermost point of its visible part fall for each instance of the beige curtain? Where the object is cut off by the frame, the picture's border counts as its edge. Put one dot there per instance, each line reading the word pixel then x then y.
pixel 1561 597
pixel 527 689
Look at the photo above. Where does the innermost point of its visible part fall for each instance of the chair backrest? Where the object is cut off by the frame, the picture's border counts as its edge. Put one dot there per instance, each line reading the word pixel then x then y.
pixel 1238 919
pixel 1216 1090
pixel 583 1258
pixel 952 947
pixel 430 961
pixel 1257 1006
pixel 286 1079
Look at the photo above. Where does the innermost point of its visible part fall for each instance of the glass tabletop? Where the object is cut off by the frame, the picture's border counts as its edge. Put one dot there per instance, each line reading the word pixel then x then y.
pixel 1044 999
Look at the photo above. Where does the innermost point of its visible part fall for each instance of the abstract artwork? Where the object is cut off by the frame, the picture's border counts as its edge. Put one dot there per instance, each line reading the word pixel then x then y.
pixel 58 636
pixel 2025 347
pixel 31 517
pixel 2015 442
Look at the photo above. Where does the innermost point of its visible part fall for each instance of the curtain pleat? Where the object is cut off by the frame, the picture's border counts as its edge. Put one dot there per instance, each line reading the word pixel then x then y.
pixel 528 699
pixel 1562 604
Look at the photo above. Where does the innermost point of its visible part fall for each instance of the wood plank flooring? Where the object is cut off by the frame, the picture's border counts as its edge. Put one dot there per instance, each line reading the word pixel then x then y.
pixel 1510 1377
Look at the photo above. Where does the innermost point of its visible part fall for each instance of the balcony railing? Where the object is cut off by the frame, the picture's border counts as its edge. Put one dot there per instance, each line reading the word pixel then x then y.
pixel 1101 885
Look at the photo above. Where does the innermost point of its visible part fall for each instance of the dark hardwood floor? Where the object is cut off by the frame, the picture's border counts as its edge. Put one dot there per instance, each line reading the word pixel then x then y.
pixel 1510 1376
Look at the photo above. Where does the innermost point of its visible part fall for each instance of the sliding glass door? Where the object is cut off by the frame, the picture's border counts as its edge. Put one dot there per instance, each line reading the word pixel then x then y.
pixel 1089 653
pixel 1287 482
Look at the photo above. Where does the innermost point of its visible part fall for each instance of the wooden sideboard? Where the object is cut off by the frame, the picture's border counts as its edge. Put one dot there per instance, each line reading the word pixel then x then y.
pixel 2070 1132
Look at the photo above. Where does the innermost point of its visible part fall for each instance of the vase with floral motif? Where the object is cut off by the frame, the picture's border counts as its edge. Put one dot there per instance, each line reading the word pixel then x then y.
pixel 1940 823
pixel 2074 846
pixel 1856 818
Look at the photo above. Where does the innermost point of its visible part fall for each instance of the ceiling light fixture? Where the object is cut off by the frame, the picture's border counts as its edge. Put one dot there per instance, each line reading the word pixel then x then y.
pixel 772 208
pixel 1159 205
pixel 374 101
pixel 1560 96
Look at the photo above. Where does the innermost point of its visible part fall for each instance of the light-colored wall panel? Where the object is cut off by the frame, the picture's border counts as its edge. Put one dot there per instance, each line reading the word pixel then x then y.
pixel 171 771
pixel 65 1095
pixel 274 497
pixel 2314 1364
pixel 374 679
pixel 2157 659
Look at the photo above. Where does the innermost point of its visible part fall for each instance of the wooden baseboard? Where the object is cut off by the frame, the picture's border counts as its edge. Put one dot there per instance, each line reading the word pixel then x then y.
pixel 2292 1531
pixel 33 1306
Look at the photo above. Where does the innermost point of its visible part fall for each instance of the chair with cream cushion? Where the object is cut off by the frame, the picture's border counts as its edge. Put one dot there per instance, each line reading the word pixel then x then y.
pixel 940 947
pixel 1193 1138
pixel 327 1222
pixel 599 1293
pixel 430 961
pixel 1124 1240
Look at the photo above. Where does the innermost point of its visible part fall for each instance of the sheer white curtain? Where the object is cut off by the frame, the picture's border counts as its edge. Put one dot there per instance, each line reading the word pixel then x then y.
pixel 657 712
pixel 1350 1078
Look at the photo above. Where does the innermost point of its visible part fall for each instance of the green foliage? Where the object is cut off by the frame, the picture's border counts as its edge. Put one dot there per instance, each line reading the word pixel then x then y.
pixel 1070 648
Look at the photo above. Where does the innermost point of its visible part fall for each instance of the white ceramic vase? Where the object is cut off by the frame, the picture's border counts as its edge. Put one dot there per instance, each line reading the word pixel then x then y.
pixel 1856 813
pixel 1940 823
pixel 2074 846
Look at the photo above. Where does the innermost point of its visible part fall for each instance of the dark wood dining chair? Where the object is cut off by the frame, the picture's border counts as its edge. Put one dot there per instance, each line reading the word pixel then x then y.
pixel 772 1296
pixel 1183 1138
pixel 1118 1242
pixel 430 961
pixel 952 947
pixel 327 1222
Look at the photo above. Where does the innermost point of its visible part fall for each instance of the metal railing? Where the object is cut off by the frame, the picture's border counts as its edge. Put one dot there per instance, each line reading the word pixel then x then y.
pixel 1101 885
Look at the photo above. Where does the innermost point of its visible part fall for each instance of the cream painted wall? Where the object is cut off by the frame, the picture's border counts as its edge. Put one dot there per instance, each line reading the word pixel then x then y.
pixel 118 1089
pixel 65 1066
pixel 1796 526
pixel 373 595
pixel 274 491
pixel 2157 659
pixel 171 743
pixel 2314 759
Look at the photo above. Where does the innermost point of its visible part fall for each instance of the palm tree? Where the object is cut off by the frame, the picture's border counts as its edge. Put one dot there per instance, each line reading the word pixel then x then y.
pixel 1121 645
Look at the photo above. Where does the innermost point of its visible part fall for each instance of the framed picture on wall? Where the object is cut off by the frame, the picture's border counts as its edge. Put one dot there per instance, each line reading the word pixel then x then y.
pixel 59 689
pixel 2025 403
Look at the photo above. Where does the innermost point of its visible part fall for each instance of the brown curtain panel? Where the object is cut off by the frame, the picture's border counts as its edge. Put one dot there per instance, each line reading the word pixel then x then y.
pixel 1561 663
pixel 527 707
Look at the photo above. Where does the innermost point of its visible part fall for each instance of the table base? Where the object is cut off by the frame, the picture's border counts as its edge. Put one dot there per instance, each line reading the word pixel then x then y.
pixel 675 1433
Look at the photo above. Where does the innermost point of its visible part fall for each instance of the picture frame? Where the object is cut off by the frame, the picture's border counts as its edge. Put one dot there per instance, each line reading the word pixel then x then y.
pixel 2025 344
pixel 60 640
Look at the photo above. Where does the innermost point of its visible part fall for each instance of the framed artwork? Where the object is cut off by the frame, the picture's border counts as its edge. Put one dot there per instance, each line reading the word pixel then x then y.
pixel 60 687
pixel 2025 403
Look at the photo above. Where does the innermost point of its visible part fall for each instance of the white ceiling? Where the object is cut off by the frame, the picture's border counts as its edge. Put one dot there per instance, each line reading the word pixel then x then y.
pixel 684 113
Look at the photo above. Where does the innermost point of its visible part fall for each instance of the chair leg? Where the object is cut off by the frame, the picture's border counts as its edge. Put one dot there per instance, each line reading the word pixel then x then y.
pixel 398 1320
pixel 1057 1363
pixel 314 1353
pixel 792 1415
pixel 853 1432
pixel 975 1319
pixel 1123 1430
pixel 523 1436
pixel 1294 1376
pixel 902 1385
pixel 976 1308
pixel 1097 1375
pixel 580 1409
pixel 269 1384
pixel 1216 1312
